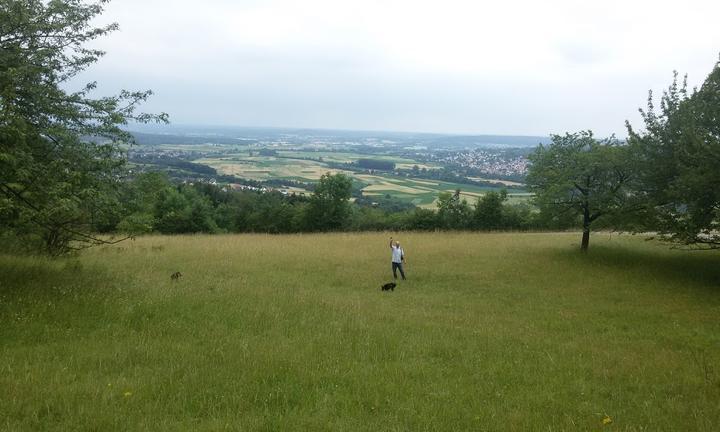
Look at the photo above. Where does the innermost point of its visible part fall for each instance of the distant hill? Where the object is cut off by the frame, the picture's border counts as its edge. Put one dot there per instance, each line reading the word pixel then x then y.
pixel 475 141
pixel 180 134
pixel 143 138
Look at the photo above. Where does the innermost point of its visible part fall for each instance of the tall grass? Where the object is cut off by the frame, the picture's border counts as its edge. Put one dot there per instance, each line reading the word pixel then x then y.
pixel 489 332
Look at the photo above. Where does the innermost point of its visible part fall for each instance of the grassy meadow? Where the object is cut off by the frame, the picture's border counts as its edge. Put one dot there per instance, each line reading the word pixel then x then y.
pixel 497 332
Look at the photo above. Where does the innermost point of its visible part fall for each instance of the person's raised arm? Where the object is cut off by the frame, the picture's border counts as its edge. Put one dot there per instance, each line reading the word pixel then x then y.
pixel 391 242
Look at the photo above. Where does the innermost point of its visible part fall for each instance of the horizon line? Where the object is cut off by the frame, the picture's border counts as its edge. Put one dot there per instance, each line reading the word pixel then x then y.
pixel 333 129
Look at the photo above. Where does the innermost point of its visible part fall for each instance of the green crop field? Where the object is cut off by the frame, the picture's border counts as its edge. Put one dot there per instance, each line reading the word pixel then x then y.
pixel 345 157
pixel 421 192
pixel 424 192
pixel 297 165
pixel 268 167
pixel 501 332
pixel 209 147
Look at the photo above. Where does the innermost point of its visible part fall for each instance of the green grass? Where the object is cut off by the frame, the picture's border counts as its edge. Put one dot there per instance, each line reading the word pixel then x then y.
pixel 491 332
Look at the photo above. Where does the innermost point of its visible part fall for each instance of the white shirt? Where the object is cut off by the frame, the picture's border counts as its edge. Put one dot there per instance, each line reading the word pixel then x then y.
pixel 397 254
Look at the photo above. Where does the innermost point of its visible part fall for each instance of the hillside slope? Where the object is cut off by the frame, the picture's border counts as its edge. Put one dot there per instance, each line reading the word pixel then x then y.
pixel 490 332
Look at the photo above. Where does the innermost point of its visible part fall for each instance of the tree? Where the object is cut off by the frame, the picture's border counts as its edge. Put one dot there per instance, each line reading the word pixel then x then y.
pixel 272 214
pixel 453 212
pixel 678 166
pixel 139 198
pixel 577 175
pixel 184 210
pixel 329 207
pixel 61 152
pixel 422 219
pixel 488 212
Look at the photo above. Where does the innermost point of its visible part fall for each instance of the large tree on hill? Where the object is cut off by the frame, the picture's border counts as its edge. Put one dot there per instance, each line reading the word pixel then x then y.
pixel 488 211
pixel 329 207
pixel 453 211
pixel 678 163
pixel 577 175
pixel 60 151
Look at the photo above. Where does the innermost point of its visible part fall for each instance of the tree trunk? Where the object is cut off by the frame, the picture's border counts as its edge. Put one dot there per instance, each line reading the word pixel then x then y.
pixel 585 239
pixel 586 229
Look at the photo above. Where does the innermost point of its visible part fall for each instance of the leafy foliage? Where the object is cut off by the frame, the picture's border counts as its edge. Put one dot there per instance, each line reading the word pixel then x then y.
pixel 678 163
pixel 329 209
pixel 60 151
pixel 453 211
pixel 578 176
pixel 150 202
pixel 488 212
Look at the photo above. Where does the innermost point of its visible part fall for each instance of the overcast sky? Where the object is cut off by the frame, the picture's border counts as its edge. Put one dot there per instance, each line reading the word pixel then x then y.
pixel 500 67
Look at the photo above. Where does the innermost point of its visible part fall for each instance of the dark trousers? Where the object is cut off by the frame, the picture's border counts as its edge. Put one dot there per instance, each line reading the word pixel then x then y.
pixel 398 266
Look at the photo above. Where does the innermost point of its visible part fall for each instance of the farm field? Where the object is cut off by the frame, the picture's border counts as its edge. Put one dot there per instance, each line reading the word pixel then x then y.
pixel 268 167
pixel 291 332
pixel 505 182
pixel 344 157
pixel 421 192
pixel 294 164
pixel 209 147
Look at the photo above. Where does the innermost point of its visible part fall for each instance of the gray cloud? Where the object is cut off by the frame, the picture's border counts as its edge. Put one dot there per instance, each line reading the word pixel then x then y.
pixel 519 67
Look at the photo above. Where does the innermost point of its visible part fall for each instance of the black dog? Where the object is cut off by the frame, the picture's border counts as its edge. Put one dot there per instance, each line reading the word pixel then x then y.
pixel 175 276
pixel 389 286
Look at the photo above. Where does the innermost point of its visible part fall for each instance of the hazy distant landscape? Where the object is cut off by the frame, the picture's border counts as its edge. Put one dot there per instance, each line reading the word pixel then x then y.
pixel 420 165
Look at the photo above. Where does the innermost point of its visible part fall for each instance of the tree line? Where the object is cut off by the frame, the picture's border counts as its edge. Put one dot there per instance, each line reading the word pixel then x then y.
pixel 152 203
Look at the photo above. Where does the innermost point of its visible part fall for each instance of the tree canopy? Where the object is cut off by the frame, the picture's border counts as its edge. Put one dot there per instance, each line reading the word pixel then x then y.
pixel 678 163
pixel 453 211
pixel 60 151
pixel 329 207
pixel 579 176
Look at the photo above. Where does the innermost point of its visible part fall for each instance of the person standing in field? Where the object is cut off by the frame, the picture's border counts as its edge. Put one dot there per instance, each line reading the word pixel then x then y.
pixel 398 258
